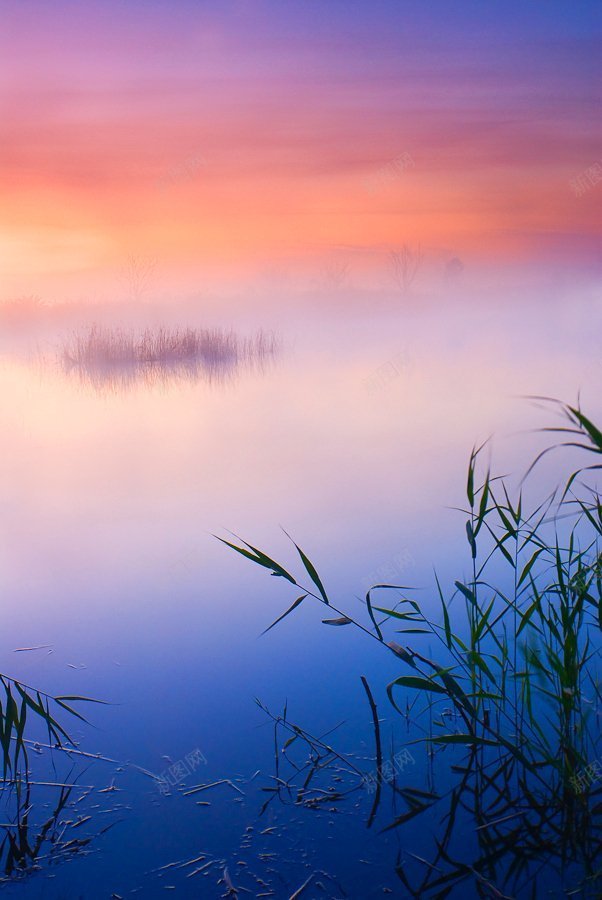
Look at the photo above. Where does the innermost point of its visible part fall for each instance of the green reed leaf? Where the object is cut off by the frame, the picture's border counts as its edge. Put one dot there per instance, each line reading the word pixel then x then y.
pixel 311 570
pixel 292 607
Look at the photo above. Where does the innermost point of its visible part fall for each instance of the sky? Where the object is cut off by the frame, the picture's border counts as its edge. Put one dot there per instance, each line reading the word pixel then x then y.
pixel 235 136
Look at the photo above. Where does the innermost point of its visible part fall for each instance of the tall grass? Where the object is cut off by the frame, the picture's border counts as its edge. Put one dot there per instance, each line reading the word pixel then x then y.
pixel 115 347
pixel 22 706
pixel 118 357
pixel 517 664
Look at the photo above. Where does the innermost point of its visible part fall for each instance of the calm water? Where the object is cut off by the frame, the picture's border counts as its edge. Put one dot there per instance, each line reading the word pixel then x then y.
pixel 355 438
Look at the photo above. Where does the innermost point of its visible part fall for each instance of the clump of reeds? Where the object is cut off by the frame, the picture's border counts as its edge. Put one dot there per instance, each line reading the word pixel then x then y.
pixel 20 706
pixel 113 355
pixel 515 671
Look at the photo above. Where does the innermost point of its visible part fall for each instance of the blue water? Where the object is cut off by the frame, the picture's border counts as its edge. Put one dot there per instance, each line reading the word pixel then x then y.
pixel 356 441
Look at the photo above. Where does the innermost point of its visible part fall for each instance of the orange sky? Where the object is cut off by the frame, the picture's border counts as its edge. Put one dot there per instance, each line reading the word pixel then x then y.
pixel 237 136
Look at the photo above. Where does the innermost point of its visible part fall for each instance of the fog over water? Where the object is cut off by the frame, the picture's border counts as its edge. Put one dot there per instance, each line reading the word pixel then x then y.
pixel 354 436
pixel 270 273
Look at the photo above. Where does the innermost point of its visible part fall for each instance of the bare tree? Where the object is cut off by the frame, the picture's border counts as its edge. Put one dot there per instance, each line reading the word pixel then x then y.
pixel 138 272
pixel 405 264
pixel 453 269
pixel 335 274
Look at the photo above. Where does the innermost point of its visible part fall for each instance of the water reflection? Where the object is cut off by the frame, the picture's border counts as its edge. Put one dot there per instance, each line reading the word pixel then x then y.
pixel 33 839
pixel 489 831
pixel 498 829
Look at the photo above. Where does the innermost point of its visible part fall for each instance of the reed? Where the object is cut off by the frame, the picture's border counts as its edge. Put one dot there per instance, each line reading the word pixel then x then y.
pixel 114 357
pixel 21 706
pixel 115 347
pixel 517 664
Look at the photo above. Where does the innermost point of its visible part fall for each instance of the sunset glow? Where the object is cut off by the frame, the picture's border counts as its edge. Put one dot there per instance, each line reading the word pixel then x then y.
pixel 232 137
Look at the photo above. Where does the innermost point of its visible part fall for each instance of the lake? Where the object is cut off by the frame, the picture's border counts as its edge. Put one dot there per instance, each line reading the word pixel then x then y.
pixel 353 436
